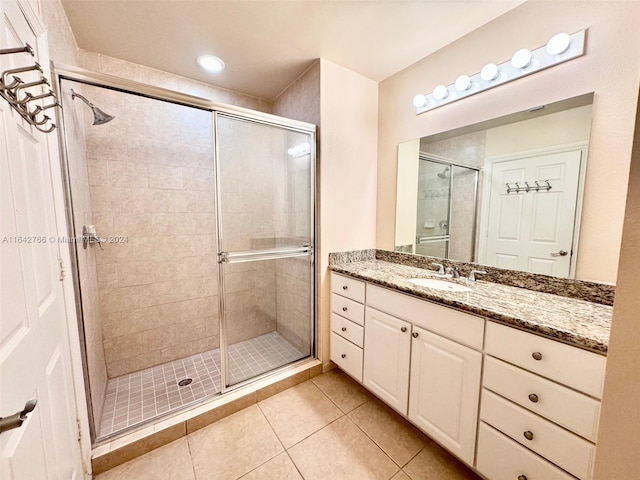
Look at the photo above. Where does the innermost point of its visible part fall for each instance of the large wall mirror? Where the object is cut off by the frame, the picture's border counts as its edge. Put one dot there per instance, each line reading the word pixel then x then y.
pixel 506 192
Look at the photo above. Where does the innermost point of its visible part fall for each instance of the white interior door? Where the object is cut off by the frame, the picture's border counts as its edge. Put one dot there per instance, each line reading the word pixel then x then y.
pixel 533 231
pixel 34 348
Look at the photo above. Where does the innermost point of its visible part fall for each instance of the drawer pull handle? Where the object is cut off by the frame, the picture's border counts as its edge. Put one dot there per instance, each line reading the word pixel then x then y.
pixel 344 355
pixel 344 287
pixel 533 397
pixel 522 477
pixel 344 309
pixel 536 355
pixel 528 435
pixel 344 329
pixel 403 329
pixel 414 334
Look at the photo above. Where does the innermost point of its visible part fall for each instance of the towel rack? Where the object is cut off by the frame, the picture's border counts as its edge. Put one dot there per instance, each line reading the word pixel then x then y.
pixel 528 188
pixel 15 91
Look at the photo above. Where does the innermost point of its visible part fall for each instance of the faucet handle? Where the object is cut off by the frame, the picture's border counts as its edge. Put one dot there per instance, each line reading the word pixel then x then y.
pixel 440 267
pixel 473 273
pixel 455 273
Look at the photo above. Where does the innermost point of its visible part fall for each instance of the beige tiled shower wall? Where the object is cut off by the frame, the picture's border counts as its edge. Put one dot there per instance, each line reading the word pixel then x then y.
pixel 152 194
pixel 75 122
pixel 293 280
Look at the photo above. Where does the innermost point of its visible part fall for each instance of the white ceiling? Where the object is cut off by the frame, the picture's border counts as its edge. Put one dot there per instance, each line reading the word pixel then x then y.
pixel 266 44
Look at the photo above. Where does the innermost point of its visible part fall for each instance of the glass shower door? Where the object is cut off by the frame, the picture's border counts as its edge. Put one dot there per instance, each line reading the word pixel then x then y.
pixel 265 246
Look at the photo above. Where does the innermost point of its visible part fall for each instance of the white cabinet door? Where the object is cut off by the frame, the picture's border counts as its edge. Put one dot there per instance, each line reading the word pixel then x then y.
pixel 387 347
pixel 445 388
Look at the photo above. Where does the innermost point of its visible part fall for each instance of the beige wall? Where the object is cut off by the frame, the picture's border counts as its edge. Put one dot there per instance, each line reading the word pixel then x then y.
pixel 562 128
pixel 618 442
pixel 606 69
pixel 349 135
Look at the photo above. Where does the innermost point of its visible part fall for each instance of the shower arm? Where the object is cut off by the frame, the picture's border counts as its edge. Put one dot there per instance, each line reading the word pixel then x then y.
pixel 74 95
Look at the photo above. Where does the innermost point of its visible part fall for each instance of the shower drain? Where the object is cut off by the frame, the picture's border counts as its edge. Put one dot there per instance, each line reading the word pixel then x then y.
pixel 184 382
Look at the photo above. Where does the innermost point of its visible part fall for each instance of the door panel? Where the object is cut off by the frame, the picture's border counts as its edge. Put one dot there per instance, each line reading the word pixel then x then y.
pixel 387 350
pixel 34 349
pixel 265 188
pixel 445 381
pixel 524 228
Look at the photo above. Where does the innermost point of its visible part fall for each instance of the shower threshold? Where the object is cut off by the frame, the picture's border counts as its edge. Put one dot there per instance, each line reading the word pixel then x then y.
pixel 137 397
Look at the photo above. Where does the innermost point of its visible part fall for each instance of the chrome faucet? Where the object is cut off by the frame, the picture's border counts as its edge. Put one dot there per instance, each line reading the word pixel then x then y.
pixel 453 271
pixel 440 268
pixel 473 273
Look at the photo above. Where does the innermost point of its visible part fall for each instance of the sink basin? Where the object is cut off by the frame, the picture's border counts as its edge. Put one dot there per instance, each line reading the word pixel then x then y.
pixel 439 284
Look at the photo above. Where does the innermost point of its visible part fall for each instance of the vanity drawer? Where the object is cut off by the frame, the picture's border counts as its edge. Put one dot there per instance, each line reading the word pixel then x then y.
pixel 561 447
pixel 569 365
pixel 452 324
pixel 347 329
pixel 564 406
pixel 347 287
pixel 354 311
pixel 500 458
pixel 347 356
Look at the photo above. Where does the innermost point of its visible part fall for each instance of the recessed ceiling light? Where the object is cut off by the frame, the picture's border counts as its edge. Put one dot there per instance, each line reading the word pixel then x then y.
pixel 210 63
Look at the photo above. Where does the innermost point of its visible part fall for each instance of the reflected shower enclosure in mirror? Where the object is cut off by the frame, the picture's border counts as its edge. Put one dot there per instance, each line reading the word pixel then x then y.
pixel 506 192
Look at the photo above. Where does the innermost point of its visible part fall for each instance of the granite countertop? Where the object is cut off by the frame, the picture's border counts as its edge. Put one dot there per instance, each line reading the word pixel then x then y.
pixel 570 320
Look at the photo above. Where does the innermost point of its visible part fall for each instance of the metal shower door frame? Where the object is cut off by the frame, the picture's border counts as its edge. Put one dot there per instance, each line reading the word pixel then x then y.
pixel 266 254
pixel 76 74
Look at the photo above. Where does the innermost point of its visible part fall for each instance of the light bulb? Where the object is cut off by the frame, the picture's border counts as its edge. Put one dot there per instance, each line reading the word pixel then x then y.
pixel 210 63
pixel 440 92
pixel 420 100
pixel 489 72
pixel 558 44
pixel 463 82
pixel 522 58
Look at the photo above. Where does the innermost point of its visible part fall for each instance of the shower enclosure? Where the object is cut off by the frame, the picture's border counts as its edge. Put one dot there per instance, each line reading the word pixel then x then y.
pixel 446 209
pixel 197 271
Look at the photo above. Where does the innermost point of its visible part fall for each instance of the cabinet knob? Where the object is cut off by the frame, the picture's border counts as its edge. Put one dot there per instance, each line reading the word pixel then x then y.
pixel 344 329
pixel 344 287
pixel 414 334
pixel 533 397
pixel 344 309
pixel 536 355
pixel 528 435
pixel 403 329
pixel 522 477
pixel 344 355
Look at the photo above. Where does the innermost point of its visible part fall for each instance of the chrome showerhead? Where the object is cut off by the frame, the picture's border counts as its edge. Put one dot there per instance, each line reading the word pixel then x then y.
pixel 443 174
pixel 99 117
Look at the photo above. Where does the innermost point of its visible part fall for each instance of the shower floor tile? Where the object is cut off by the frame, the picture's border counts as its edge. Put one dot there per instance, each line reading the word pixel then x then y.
pixel 139 396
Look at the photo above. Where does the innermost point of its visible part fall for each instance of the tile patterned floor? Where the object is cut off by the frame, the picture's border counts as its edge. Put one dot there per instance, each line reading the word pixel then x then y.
pixel 326 428
pixel 139 396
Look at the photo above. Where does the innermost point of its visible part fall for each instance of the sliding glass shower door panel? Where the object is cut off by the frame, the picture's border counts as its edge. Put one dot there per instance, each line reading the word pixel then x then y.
pixel 265 245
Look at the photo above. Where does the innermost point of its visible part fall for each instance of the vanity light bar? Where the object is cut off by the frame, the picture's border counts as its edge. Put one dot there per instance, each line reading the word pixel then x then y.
pixel 560 48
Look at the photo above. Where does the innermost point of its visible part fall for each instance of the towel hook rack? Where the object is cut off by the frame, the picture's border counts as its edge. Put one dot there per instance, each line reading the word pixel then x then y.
pixel 15 91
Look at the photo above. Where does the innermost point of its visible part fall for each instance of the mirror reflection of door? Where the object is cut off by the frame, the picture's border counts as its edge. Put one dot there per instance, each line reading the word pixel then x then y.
pixel 532 231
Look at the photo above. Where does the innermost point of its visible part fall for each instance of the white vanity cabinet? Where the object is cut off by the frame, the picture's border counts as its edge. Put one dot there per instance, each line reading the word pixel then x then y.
pixel 424 360
pixel 539 396
pixel 531 414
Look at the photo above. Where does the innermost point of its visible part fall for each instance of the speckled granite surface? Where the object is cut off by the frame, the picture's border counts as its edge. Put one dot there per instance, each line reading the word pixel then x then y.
pixel 570 320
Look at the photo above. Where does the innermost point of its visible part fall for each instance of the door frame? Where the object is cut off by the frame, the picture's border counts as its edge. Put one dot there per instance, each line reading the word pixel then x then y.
pixel 487 174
